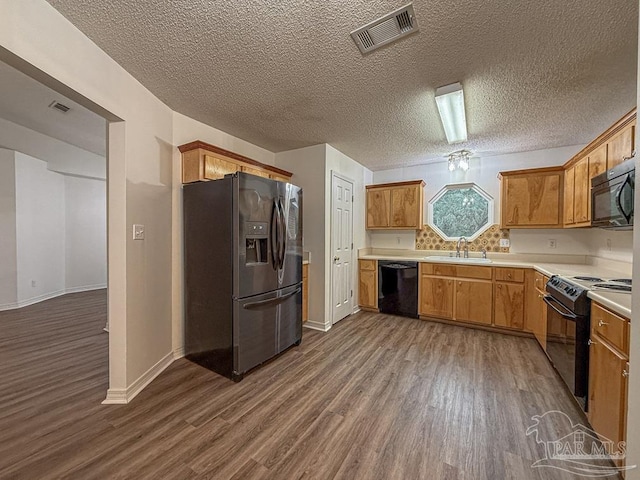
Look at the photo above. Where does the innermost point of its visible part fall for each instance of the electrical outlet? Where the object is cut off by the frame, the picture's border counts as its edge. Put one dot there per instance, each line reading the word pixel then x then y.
pixel 398 240
pixel 138 232
pixel 552 243
pixel 504 242
pixel 609 244
pixel 33 283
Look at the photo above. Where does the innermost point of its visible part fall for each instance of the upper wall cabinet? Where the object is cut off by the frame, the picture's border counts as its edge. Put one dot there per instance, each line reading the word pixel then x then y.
pixel 202 161
pixel 532 198
pixel 605 152
pixel 396 206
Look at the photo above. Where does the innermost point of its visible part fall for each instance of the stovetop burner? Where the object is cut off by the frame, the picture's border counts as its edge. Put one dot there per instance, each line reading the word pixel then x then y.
pixel 611 286
pixel 626 281
pixel 589 279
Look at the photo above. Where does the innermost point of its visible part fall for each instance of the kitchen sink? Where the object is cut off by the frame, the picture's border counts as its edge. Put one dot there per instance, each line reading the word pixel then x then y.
pixel 446 258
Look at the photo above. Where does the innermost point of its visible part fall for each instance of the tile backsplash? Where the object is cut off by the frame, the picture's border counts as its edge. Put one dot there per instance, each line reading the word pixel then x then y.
pixel 429 239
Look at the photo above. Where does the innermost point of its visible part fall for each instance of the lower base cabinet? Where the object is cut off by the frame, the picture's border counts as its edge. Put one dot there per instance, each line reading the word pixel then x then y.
pixel 436 297
pixel 368 284
pixel 608 374
pixel 473 301
pixel 509 305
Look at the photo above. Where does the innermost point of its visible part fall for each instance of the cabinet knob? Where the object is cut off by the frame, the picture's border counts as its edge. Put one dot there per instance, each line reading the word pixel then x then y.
pixel 601 323
pixel 625 373
pixel 591 342
pixel 508 275
pixel 540 295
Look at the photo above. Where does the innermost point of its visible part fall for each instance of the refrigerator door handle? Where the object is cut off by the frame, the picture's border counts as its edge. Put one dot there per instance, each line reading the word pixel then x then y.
pixel 283 236
pixel 273 234
pixel 271 301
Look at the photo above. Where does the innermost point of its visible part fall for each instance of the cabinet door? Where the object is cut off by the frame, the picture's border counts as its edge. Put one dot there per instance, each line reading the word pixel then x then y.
pixel 620 146
pixel 473 301
pixel 378 205
pixel 368 288
pixel 540 319
pixel 568 195
pixel 532 200
pixel 436 297
pixel 509 305
pixel 598 161
pixel 406 207
pixel 582 191
pixel 215 167
pixel 607 390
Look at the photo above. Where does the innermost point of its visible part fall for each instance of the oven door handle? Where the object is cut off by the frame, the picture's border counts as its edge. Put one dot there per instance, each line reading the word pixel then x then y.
pixel 549 300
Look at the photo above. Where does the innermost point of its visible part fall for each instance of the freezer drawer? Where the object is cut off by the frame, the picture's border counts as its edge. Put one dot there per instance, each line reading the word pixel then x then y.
pixel 265 325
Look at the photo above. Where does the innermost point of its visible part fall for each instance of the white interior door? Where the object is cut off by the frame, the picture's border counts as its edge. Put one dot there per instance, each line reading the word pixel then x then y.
pixel 341 247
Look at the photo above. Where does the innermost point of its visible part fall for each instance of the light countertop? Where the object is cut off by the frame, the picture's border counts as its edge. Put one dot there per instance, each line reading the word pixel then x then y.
pixel 615 301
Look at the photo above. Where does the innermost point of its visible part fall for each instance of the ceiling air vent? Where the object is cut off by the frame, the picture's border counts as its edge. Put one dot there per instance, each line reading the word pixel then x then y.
pixel 386 29
pixel 59 106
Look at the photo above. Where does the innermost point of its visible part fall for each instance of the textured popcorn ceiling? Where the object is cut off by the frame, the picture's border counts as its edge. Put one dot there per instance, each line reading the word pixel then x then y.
pixel 285 74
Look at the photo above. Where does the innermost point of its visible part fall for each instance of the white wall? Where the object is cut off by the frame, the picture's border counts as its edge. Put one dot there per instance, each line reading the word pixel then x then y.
pixel 339 163
pixel 40 230
pixel 60 156
pixel 8 260
pixel 34 34
pixel 308 168
pixel 85 233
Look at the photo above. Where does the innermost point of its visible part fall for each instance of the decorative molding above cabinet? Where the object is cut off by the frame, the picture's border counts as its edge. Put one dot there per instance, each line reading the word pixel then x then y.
pixel 395 206
pixel 202 161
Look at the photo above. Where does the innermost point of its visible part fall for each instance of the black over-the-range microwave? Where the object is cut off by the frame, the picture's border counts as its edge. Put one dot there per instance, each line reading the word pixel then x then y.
pixel 612 194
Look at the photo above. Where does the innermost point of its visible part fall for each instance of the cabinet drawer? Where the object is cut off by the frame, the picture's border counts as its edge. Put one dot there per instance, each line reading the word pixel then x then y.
pixel 368 264
pixel 472 271
pixel 436 269
pixel 509 274
pixel 611 327
pixel 540 281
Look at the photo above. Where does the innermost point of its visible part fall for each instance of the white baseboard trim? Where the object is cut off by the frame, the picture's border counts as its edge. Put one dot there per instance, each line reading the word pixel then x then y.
pixel 49 296
pixel 86 288
pixel 178 353
pixel 316 326
pixel 119 396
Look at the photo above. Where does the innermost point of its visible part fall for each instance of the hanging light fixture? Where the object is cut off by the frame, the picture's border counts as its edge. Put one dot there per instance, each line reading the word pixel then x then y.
pixel 459 160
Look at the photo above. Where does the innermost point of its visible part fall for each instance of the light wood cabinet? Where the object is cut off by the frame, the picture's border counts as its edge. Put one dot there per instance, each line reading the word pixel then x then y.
pixel 368 284
pixel 532 198
pixel 456 292
pixel 378 208
pixel 582 191
pixel 436 297
pixel 597 161
pixel 305 292
pixel 569 185
pixel 620 146
pixel 536 308
pixel 473 301
pixel 509 305
pixel 608 373
pixel 202 161
pixel 395 205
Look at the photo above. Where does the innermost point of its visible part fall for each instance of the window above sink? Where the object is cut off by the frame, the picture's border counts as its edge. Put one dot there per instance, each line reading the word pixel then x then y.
pixel 460 210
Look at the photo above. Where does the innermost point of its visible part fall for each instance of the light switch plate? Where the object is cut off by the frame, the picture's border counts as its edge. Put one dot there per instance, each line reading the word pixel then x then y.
pixel 504 242
pixel 138 232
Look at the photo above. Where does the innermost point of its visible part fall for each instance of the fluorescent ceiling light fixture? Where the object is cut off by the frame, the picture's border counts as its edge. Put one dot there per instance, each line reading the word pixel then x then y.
pixel 450 101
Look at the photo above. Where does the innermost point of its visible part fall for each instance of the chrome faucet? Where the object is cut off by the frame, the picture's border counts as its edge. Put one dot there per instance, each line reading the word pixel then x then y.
pixel 466 247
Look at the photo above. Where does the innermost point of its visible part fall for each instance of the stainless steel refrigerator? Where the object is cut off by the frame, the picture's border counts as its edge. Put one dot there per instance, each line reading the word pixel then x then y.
pixel 243 271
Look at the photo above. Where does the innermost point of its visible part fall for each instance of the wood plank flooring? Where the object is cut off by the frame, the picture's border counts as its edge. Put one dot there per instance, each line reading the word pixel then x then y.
pixel 377 397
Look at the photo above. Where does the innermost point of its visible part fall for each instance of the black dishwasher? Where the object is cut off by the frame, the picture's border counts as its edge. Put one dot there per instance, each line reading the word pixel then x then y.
pixel 398 288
